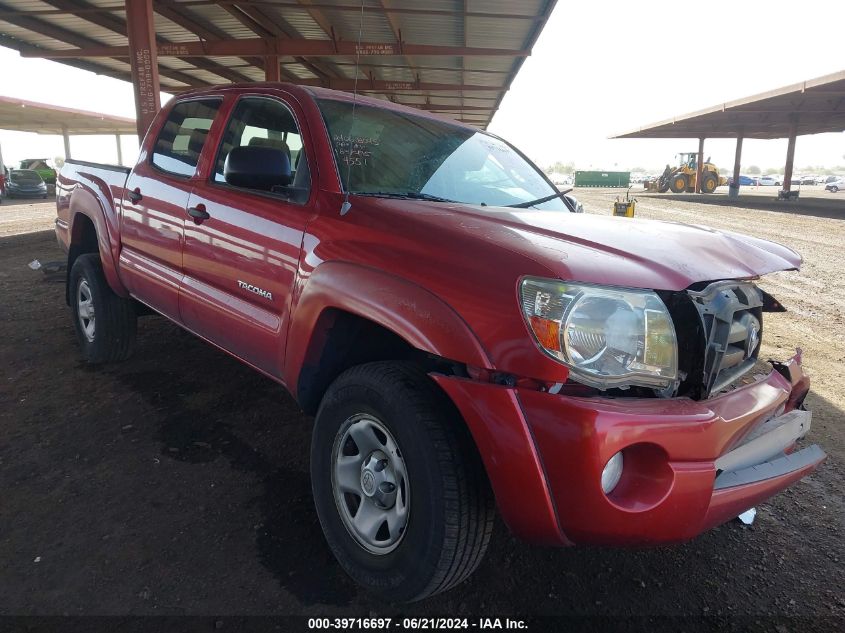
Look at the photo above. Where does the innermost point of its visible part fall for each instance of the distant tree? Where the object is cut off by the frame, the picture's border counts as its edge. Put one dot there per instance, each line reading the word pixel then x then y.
pixel 752 169
pixel 769 171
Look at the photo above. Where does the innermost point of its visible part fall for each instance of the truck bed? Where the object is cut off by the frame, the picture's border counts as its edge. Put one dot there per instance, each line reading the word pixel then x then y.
pixel 96 188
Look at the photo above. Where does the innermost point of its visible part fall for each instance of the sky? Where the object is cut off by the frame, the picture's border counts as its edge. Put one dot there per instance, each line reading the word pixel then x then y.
pixel 598 69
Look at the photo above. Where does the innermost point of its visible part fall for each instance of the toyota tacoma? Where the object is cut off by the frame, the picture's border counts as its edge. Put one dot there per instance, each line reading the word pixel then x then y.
pixel 465 341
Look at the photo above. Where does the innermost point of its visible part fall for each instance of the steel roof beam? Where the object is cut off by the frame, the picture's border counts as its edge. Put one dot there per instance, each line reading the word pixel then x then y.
pixel 278 46
pixel 116 25
pixel 267 27
pixel 200 28
pixel 291 5
pixel 64 35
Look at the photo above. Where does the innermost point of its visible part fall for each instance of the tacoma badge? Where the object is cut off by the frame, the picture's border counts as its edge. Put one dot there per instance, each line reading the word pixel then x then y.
pixel 259 291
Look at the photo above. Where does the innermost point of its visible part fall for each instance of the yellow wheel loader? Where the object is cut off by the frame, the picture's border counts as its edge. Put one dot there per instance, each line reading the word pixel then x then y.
pixel 682 178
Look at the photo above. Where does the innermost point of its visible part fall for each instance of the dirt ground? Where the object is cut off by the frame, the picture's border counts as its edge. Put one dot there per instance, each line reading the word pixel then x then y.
pixel 176 483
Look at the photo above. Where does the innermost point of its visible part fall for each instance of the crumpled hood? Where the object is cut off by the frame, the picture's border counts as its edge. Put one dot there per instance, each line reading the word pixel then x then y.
pixel 609 250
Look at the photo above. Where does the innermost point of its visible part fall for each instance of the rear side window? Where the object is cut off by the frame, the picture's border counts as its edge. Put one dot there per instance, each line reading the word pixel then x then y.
pixel 181 139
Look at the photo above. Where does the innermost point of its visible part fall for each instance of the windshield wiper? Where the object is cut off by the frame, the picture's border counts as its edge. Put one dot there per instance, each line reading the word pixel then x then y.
pixel 407 195
pixel 531 203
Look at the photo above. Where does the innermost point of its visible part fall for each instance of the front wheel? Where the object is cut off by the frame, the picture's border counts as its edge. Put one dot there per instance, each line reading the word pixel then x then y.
pixel 834 188
pixel 400 490
pixel 678 183
pixel 105 323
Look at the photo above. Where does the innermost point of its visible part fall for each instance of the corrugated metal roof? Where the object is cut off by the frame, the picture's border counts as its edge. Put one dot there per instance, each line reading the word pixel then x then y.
pixel 431 81
pixel 813 106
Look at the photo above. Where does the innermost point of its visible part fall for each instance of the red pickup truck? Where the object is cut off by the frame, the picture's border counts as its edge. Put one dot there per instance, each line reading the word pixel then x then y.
pixel 464 340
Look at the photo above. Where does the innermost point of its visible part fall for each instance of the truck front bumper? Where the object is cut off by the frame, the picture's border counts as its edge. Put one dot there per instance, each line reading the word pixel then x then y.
pixel 687 465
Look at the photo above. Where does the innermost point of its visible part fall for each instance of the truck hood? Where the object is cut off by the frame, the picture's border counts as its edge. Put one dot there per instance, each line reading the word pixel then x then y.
pixel 609 250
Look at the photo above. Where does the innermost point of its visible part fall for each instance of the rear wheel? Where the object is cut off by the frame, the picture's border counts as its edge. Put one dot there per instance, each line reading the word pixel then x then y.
pixel 678 183
pixel 105 323
pixel 834 188
pixel 709 182
pixel 400 490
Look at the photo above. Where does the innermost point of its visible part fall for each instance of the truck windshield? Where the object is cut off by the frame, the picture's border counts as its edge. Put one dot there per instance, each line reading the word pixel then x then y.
pixel 393 153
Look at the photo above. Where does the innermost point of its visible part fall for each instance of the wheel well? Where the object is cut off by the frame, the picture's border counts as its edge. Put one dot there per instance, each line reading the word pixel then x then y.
pixel 341 340
pixel 83 240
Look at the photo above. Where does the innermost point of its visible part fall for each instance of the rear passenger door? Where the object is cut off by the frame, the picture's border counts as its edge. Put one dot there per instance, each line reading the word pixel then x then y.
pixel 155 202
pixel 240 263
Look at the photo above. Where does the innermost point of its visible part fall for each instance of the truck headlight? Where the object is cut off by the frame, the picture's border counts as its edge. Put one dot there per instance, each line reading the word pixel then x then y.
pixel 608 337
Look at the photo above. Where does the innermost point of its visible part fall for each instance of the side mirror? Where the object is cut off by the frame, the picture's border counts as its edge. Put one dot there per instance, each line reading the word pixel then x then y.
pixel 257 168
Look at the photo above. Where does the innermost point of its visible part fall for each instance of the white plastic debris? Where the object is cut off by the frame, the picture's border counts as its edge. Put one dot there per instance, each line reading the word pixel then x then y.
pixel 37 559
pixel 747 517
pixel 34 264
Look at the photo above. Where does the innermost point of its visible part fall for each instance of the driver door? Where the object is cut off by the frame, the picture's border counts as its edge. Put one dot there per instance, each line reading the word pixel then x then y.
pixel 240 262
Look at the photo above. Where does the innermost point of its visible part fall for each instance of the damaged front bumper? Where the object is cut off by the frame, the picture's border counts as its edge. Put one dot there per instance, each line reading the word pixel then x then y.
pixel 688 465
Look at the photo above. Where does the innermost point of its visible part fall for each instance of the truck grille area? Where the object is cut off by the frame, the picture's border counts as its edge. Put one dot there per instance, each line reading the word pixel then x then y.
pixel 731 315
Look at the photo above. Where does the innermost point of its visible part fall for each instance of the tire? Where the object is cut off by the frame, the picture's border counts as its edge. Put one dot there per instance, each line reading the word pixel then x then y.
pixel 678 184
pixel 106 333
pixel 709 182
pixel 834 189
pixel 663 185
pixel 442 498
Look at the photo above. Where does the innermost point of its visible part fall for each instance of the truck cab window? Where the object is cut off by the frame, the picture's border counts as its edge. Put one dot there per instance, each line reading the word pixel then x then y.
pixel 263 122
pixel 181 139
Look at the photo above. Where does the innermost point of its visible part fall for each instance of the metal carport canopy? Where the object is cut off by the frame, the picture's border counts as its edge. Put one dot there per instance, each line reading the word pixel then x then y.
pixel 29 116
pixel 458 57
pixel 808 107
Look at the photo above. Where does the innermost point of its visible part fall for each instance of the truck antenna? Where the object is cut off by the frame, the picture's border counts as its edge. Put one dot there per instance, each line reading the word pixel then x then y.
pixel 344 208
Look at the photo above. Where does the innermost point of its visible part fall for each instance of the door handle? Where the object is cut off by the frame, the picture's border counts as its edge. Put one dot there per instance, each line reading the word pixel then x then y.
pixel 135 196
pixel 198 213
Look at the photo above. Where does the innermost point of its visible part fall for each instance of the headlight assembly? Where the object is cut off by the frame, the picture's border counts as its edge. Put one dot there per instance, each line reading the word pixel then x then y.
pixel 608 337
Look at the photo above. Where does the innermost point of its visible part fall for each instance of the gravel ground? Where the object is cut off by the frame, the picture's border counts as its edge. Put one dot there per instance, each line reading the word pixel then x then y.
pixel 176 483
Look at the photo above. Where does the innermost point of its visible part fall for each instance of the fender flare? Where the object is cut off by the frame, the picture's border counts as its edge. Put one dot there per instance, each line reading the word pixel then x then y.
pixel 410 311
pixel 92 202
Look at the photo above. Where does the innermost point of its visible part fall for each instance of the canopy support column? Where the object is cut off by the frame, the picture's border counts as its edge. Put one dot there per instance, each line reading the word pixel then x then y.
pixel 272 70
pixel 699 169
pixel 733 189
pixel 790 155
pixel 119 149
pixel 143 58
pixel 66 138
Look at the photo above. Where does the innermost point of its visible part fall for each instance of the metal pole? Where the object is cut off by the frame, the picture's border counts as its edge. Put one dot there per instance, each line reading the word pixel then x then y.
pixel 271 68
pixel 143 57
pixel 66 138
pixel 790 155
pixel 699 170
pixel 733 190
pixel 119 149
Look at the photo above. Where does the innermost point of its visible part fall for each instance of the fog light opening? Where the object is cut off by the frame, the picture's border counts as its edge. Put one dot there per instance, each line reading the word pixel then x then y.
pixel 612 473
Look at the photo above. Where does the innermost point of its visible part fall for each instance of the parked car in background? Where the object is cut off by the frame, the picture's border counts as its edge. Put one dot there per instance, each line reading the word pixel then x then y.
pixel 25 183
pixel 807 180
pixel 768 181
pixel 745 181
pixel 830 179
pixel 41 165
pixel 835 186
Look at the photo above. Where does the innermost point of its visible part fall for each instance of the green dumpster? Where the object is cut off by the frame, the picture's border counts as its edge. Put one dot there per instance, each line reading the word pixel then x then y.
pixel 602 178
